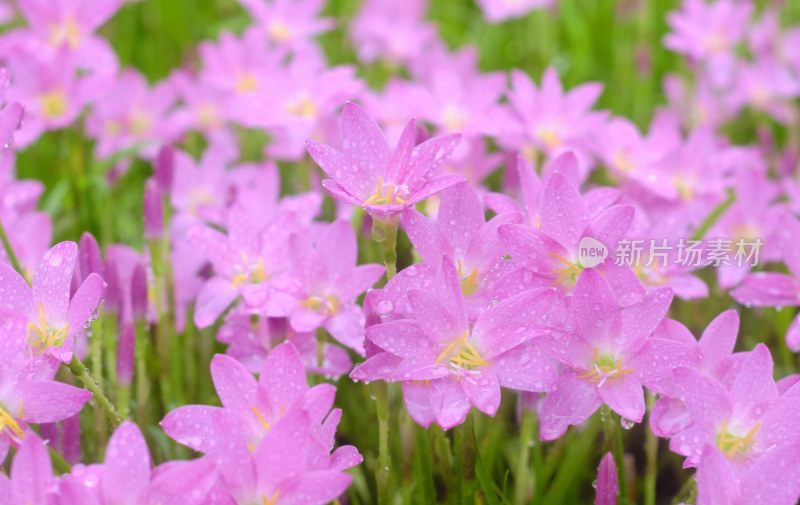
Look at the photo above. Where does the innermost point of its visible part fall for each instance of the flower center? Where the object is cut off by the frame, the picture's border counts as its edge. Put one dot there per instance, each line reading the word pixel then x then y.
pixel 139 122
pixel 328 305
pixel 248 273
pixel 622 161
pixel 7 421
pixel 605 367
pixel 246 83
pixel 466 357
pixel 398 193
pixel 303 107
pixel 570 271
pixel 53 103
pixel 271 500
pixel 68 32
pixel 279 31
pixel 42 337
pixel 731 445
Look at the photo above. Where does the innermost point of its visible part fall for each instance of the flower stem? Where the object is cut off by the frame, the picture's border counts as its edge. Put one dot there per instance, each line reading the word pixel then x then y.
pixel 9 250
pixel 385 232
pixel 80 371
pixel 651 454
pixel 381 391
pixel 522 486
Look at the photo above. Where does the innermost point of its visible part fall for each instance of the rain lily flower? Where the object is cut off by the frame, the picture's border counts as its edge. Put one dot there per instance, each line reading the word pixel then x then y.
pixel 367 174
pixel 53 318
pixel 449 365
pixel 393 30
pixel 289 23
pixel 461 233
pixel 253 408
pixel 550 119
pixel 744 421
pixel 709 32
pixel 608 353
pixel 328 284
pixel 31 479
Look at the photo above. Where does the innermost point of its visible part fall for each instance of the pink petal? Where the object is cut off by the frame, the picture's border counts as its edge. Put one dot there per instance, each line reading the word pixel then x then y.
pixel 716 480
pixel 525 368
pixel 755 382
pixel 348 327
pixel 358 180
pixel 417 398
pixel 719 337
pixel 594 308
pixel 459 217
pixel 357 280
pixel 774 479
pixel 84 305
pixel 363 142
pixel 450 404
pixel 624 396
pixel 235 386
pixel 316 487
pixel 194 426
pixel 427 157
pixel 425 236
pixel 50 401
pixel 17 296
pixel 639 321
pixel 572 402
pixel 403 338
pixel 704 397
pixel 611 225
pixel 283 377
pixel 52 279
pixel 768 289
pixel 562 213
pixel 482 390
pixel 656 360
pixel 340 237
pixel 214 298
pixel 31 473
pixel 127 466
pixel 435 185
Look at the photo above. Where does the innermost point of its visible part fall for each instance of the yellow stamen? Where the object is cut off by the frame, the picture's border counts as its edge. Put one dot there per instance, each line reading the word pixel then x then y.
pixel 304 107
pixel 246 83
pixel 467 356
pixel 603 370
pixel 570 271
pixel 42 337
pixel 54 104
pixel 388 199
pixel 279 32
pixel 261 419
pixel 68 32
pixel 731 445
pixel 270 501
pixel 469 283
pixel 328 305
pixel 6 420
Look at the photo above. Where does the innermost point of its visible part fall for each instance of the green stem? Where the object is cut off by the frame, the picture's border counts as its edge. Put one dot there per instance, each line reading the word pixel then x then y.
pixel 714 216
pixel 385 232
pixel 381 391
pixel 9 250
pixel 80 371
pixel 522 485
pixel 140 356
pixel 651 455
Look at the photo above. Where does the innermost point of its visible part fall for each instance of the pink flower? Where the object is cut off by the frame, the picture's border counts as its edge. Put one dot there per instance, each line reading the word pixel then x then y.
pixel 53 318
pixel 447 365
pixel 608 353
pixel 369 175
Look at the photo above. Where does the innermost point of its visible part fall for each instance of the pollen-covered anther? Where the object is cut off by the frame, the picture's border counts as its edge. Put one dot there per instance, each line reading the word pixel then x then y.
pixel 571 270
pixel 466 357
pixel 732 445
pixel 7 421
pixel 393 196
pixel 43 338
pixel 604 368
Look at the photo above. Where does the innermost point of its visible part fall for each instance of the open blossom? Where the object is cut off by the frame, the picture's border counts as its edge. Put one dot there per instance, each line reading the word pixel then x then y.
pixel 289 24
pixel 447 365
pixel 53 318
pixel 608 353
pixel 329 282
pixel 551 119
pixel 745 421
pixel 462 234
pixel 368 174
pixel 394 30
